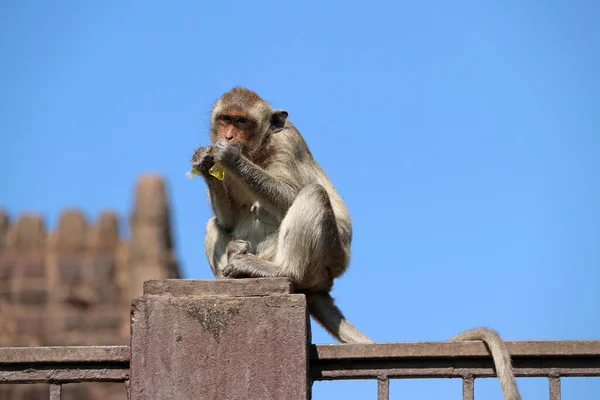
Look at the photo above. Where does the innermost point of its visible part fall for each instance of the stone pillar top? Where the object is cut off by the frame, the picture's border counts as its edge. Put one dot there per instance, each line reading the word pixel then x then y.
pixel 220 339
pixel 255 287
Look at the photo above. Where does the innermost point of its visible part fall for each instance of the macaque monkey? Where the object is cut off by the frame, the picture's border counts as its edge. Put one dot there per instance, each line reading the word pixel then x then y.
pixel 277 214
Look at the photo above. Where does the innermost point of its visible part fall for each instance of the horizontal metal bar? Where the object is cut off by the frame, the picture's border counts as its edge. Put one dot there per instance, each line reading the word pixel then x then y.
pixel 368 361
pixel 68 364
pixel 338 372
pixel 452 360
pixel 64 375
pixel 55 354
pixel 543 348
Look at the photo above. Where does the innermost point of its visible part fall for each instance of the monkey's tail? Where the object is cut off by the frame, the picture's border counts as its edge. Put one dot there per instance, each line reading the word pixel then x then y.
pixel 329 316
pixel 500 356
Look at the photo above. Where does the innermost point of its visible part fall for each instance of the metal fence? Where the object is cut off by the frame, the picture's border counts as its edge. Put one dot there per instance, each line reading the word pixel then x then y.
pixel 467 361
pixel 61 365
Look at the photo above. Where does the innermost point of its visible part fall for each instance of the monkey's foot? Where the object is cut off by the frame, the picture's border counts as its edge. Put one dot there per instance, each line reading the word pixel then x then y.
pixel 236 271
pixel 236 248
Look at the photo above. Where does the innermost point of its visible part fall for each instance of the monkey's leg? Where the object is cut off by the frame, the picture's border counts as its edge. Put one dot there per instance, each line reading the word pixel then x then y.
pixel 241 264
pixel 308 249
pixel 308 243
pixel 215 246
pixel 309 240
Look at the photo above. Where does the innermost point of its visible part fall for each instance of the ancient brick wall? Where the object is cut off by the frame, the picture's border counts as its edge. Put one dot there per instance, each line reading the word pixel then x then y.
pixel 74 285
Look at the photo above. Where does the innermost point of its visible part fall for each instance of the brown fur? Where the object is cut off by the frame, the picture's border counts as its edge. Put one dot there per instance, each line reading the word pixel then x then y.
pixel 276 213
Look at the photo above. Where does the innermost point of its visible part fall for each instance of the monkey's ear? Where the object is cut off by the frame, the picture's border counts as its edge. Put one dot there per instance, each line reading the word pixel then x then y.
pixel 278 118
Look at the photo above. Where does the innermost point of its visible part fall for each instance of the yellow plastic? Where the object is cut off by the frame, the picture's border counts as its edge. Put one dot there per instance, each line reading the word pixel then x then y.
pixel 217 171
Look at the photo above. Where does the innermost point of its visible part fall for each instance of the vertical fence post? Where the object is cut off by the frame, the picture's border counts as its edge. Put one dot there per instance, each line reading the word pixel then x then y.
pixel 55 391
pixel 554 381
pixel 383 388
pixel 468 384
pixel 219 339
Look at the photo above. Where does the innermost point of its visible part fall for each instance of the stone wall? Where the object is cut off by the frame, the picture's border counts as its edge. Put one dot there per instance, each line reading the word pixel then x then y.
pixel 74 285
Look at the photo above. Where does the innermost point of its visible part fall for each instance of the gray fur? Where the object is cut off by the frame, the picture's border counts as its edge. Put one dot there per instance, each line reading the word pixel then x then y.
pixel 276 213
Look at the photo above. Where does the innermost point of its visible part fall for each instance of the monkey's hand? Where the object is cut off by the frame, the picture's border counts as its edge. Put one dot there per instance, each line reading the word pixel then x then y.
pixel 239 261
pixel 227 153
pixel 236 249
pixel 202 160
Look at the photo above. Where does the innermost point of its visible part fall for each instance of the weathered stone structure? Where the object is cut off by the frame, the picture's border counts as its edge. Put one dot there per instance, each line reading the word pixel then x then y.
pixel 74 285
pixel 224 339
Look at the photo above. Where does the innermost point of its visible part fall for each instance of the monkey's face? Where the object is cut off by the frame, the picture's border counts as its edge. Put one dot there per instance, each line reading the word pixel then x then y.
pixel 242 117
pixel 235 127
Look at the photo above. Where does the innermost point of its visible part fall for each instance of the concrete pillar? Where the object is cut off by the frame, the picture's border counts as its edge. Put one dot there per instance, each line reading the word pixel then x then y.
pixel 221 339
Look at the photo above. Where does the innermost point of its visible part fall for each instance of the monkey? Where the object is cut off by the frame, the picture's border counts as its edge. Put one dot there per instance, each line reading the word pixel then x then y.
pixel 276 213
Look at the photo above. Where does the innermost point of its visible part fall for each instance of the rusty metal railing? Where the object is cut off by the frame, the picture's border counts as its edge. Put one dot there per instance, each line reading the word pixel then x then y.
pixel 465 360
pixel 61 365
pixel 381 361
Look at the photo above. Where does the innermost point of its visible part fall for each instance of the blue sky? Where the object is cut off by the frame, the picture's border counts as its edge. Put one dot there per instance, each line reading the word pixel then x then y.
pixel 464 137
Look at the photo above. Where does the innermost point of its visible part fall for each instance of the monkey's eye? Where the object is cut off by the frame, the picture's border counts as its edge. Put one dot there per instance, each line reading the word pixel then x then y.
pixel 225 119
pixel 243 123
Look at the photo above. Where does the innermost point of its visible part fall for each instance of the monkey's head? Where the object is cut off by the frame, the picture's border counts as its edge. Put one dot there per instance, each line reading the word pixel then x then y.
pixel 240 115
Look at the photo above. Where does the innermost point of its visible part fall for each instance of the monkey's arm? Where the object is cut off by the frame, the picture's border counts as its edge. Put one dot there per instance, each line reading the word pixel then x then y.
pixel 276 193
pixel 221 203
